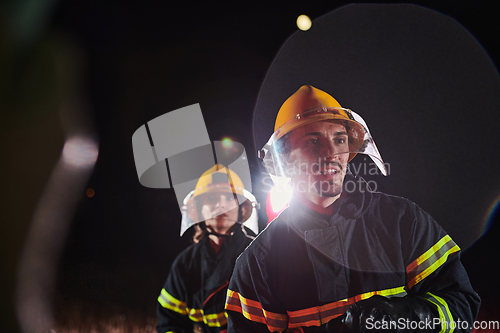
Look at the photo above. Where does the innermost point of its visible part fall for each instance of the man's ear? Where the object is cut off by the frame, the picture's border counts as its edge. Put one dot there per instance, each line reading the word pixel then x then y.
pixel 244 210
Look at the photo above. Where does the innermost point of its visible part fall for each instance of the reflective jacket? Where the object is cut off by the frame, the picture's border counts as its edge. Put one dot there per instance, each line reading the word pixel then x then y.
pixel 195 290
pixel 306 269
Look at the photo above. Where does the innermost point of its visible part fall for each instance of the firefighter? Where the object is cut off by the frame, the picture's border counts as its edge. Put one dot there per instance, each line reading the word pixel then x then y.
pixel 343 258
pixel 192 299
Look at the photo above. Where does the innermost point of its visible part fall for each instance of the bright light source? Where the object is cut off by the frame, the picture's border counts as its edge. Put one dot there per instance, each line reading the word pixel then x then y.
pixel 227 143
pixel 279 199
pixel 304 22
pixel 80 152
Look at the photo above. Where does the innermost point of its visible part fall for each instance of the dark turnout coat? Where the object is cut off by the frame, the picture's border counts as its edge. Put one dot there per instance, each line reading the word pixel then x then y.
pixel 195 291
pixel 306 269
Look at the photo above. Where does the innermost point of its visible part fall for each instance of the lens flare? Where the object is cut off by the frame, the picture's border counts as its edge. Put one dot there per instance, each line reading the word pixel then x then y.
pixel 90 192
pixel 489 216
pixel 80 152
pixel 279 199
pixel 227 143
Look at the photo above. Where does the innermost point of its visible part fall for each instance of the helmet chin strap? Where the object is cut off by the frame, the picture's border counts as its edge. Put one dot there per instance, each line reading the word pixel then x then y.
pixel 217 234
pixel 203 227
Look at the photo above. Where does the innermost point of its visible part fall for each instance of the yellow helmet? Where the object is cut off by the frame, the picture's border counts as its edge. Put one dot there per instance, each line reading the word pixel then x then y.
pixel 309 104
pixel 217 179
pixel 306 98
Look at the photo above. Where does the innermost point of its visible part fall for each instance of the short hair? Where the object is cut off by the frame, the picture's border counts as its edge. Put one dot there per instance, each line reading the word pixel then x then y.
pixel 283 147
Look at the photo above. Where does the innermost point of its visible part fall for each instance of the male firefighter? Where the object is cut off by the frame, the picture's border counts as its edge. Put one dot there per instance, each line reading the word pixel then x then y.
pixel 193 297
pixel 343 258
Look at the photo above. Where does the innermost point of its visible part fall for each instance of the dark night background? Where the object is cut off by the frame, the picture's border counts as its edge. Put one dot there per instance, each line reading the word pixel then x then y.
pixel 138 60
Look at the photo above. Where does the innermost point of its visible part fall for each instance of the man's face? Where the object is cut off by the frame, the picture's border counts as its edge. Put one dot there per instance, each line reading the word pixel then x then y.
pixel 219 210
pixel 318 159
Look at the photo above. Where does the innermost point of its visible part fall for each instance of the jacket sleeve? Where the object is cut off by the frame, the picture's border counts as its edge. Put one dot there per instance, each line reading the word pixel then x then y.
pixel 435 273
pixel 171 308
pixel 250 304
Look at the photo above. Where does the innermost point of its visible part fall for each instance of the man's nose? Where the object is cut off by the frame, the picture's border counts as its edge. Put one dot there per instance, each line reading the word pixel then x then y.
pixel 221 203
pixel 331 150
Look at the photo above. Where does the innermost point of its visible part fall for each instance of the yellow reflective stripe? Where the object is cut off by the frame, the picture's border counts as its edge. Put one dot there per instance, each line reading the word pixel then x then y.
pixel 395 292
pixel 215 319
pixel 172 299
pixel 319 315
pixel 431 260
pixel 197 315
pixel 169 302
pixel 252 310
pixel 432 250
pixel 445 316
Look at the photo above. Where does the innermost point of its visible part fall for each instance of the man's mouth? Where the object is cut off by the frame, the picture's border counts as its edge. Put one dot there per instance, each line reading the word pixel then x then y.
pixel 328 172
pixel 330 169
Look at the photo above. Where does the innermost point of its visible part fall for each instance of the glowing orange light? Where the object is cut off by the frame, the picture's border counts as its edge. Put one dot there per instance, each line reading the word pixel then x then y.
pixel 90 192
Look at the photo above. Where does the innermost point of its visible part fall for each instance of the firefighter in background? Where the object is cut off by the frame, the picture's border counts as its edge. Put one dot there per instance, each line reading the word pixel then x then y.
pixel 193 297
pixel 343 258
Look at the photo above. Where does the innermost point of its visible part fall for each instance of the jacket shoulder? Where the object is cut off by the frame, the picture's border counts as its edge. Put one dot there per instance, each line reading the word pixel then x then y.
pixel 267 239
pixel 388 202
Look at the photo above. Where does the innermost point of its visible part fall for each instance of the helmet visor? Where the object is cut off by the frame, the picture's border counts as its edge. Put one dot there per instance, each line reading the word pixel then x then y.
pixel 239 207
pixel 323 135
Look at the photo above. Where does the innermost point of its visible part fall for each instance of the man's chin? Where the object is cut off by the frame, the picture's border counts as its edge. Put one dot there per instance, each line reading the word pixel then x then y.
pixel 329 194
pixel 222 222
pixel 328 189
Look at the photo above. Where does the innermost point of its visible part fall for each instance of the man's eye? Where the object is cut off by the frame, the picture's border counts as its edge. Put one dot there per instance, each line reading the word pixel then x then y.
pixel 312 141
pixel 340 140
